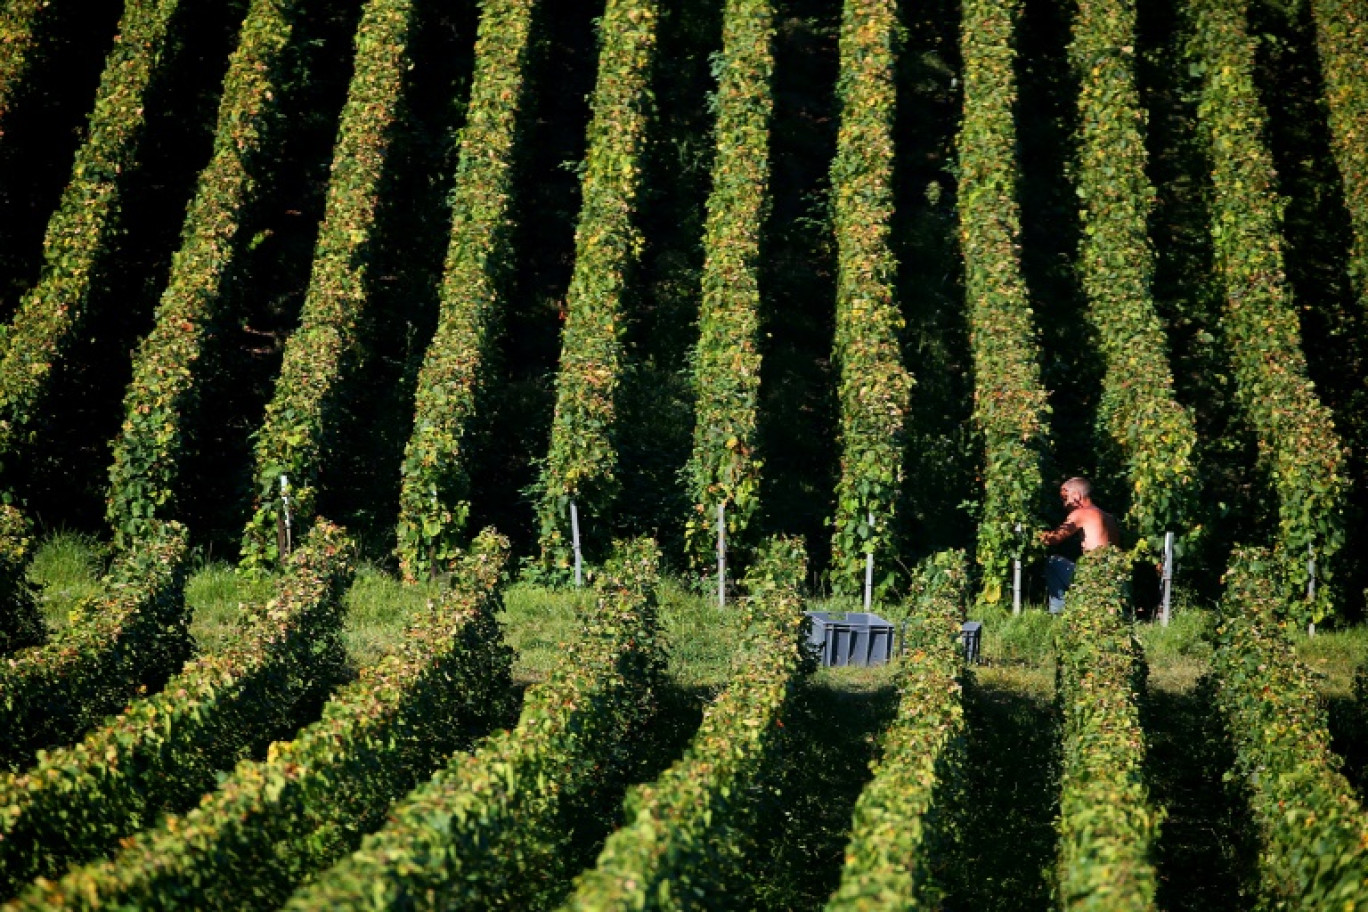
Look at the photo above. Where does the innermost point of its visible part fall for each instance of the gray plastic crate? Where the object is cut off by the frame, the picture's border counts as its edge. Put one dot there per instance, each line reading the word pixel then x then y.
pixel 850 638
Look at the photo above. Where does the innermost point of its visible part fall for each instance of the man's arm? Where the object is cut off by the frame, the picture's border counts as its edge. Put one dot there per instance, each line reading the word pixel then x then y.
pixel 1066 531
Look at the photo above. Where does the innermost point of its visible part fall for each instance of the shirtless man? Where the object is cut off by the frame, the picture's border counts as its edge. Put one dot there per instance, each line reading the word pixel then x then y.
pixel 1099 529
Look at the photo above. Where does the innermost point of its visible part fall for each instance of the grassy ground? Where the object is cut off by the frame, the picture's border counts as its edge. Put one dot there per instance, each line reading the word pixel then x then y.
pixel 1206 851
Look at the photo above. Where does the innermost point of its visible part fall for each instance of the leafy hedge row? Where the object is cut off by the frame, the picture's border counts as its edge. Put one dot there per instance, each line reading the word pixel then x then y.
pixel 1107 825
pixel 1010 407
pixel 680 847
pixel 1299 448
pixel 1152 433
pixel 274 822
pixel 324 349
pixel 875 389
pixel 433 499
pixel 1313 828
pixel 86 220
pixel 134 634
pixel 165 751
pixel 487 831
pixel 21 625
pixel 581 464
pixel 903 819
pixel 20 21
pixel 1341 37
pixel 723 466
pixel 166 381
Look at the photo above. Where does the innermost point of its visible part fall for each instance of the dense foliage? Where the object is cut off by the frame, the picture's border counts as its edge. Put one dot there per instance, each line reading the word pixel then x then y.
pixel 1107 826
pixel 904 820
pixel 875 389
pixel 581 464
pixel 1010 406
pixel 20 623
pixel 273 822
pixel 87 219
pixel 681 847
pixel 168 371
pixel 135 634
pixel 434 499
pixel 1341 36
pixel 324 350
pixel 1313 827
pixel 19 41
pixel 724 467
pixel 1299 449
pixel 1151 432
pixel 164 751
pixel 489 830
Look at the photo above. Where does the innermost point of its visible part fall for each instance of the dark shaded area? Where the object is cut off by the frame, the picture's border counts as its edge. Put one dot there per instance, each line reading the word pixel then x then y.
pixel 799 415
pixel 1207 853
pixel 267 289
pixel 1317 233
pixel 522 397
pixel 64 474
pixel 804 818
pixel 1348 717
pixel 1189 299
pixel 656 399
pixel 360 483
pixel 943 452
pixel 1071 364
pixel 1007 846
pixel 43 129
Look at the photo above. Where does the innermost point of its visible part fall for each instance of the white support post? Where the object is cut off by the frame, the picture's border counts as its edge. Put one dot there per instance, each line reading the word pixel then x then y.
pixel 1166 583
pixel 285 499
pixel 1310 583
pixel 575 540
pixel 1016 575
pixel 721 555
pixel 869 568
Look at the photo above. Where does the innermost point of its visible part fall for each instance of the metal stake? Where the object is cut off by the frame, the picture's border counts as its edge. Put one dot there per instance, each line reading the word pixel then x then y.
pixel 1166 584
pixel 1016 575
pixel 575 538
pixel 869 568
pixel 285 498
pixel 721 555
pixel 1310 583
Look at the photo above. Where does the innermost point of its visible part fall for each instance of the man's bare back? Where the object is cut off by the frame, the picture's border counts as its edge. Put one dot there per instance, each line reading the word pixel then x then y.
pixel 1099 527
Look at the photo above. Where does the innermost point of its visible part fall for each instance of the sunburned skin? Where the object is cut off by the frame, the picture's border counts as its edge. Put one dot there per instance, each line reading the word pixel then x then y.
pixel 1099 527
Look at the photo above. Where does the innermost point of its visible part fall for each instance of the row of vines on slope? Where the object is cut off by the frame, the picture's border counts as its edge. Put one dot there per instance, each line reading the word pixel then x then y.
pixel 724 469
pixel 875 389
pixel 1152 433
pixel 134 634
pixel 903 824
pixel 1341 37
pixel 21 624
pixel 166 372
pixel 1010 407
pixel 488 831
pixel 323 351
pixel 1107 826
pixel 1299 448
pixel 20 24
pixel 681 848
pixel 433 500
pixel 87 219
pixel 581 464
pixel 1312 827
pixel 274 822
pixel 163 752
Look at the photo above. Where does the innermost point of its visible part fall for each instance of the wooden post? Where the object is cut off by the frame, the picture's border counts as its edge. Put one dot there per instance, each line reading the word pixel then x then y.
pixel 1016 575
pixel 869 568
pixel 721 555
pixel 1166 582
pixel 575 539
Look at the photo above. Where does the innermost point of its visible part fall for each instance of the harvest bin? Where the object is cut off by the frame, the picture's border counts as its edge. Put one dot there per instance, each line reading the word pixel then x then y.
pixel 850 638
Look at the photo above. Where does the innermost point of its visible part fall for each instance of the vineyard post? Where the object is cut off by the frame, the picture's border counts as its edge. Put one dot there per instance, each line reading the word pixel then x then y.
pixel 869 567
pixel 575 538
pixel 1167 581
pixel 1016 574
pixel 1310 583
pixel 721 555
pixel 285 500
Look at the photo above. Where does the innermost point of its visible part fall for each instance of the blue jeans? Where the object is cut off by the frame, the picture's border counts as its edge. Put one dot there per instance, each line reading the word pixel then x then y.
pixel 1059 573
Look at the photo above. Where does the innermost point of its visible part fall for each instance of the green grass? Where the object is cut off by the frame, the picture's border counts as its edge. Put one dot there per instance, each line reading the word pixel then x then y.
pixel 66 569
pixel 217 597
